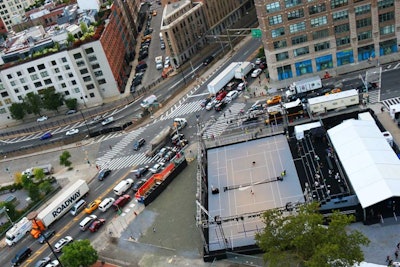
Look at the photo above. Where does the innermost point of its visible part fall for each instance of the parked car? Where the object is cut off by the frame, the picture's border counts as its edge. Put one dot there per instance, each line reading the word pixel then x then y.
pixel 241 86
pixel 107 121
pixel 208 60
pixel 53 263
pixel 121 201
pixel 258 61
pixel 154 13
pixel 47 135
pixel 43 118
pixel 96 224
pixel 46 236
pixel 103 174
pixel 162 45
pixel 92 206
pixel 256 73
pixel 42 262
pixel 72 131
pixel 143 55
pixel 148 31
pixel 141 66
pixel 71 111
pixel 138 144
pixel 62 243
pixel 21 256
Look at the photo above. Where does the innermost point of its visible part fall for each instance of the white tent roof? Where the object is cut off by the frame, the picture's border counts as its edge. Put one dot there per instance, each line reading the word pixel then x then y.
pixel 300 129
pixel 371 165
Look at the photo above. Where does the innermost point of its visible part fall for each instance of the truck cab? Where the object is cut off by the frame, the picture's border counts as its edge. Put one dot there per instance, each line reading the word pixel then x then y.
pixel 180 123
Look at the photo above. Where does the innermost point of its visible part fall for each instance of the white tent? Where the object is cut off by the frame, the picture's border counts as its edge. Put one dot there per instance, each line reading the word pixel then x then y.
pixel 371 165
pixel 300 129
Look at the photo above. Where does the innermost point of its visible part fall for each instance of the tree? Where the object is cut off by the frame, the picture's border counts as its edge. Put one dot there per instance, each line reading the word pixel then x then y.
pixel 79 253
pixel 45 187
pixel 84 27
pixel 34 192
pixel 71 103
pixel 51 99
pixel 70 38
pixel 38 173
pixel 33 103
pixel 302 238
pixel 64 159
pixel 17 111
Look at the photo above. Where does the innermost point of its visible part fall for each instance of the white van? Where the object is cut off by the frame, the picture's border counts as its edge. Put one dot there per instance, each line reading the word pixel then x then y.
pixel 77 207
pixel 123 186
pixel 85 223
pixel 106 203
pixel 148 101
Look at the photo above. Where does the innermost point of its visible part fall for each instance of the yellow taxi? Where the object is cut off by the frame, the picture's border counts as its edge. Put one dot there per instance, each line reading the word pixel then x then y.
pixel 334 91
pixel 274 100
pixel 92 206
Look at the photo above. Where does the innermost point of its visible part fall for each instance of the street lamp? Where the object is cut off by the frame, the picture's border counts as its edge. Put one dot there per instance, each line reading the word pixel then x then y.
pixel 32 217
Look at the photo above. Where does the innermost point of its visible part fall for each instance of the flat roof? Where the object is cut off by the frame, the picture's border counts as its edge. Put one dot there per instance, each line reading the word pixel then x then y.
pixel 247 190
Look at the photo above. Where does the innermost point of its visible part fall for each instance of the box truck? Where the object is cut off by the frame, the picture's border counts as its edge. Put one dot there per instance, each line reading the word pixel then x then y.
pixel 223 78
pixel 47 169
pixel 243 70
pixel 304 86
pixel 18 231
pixel 58 206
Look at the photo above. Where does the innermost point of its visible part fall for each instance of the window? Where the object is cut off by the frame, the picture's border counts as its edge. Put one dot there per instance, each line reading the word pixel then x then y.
pixel 7 101
pixel 342 28
pixel 66 93
pixel 41 67
pixel 359 10
pixel 385 4
pixel 84 71
pixel 87 79
pixel 343 41
pixel 9 76
pixel 12 83
pixel 98 73
pixel 273 7
pixel 56 70
pixel 291 3
pixel 19 73
pixel 67 67
pixel 80 63
pixel 299 39
pixel 70 75
pixel 77 55
pixel 280 44
pixel 301 26
pixel 275 19
pixel 316 9
pixel 89 50
pixel 386 16
pixel 44 74
pixel 20 98
pixel 63 85
pixel 338 3
pixel 282 56
pixel 343 14
pixel 47 81
pixel 92 58
pixel 321 46
pixel 363 22
pixel 64 60
pixel 53 62
pixel 16 90
pixel 386 29
pixel 318 21
pixel 4 94
pixel 102 81
pixel 364 35
pixel 91 95
pixel 320 34
pixel 76 90
pixel 22 80
pixel 26 87
pixel 73 82
pixel 95 66
pixel 301 51
pixel 38 84
pixel 34 77
pixel 60 77
pixel 90 86
pixel 31 69
pixel 278 32
pixel 295 14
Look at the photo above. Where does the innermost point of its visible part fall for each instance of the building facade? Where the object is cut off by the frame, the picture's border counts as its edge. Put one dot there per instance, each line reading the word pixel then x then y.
pixel 302 37
pixel 12 11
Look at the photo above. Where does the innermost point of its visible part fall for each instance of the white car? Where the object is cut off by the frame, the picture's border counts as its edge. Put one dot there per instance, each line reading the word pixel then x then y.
pixel 156 168
pixel 256 73
pixel 62 243
pixel 258 61
pixel 72 131
pixel 211 104
pixel 231 95
pixel 43 118
pixel 241 86
pixel 54 263
pixel 107 121
pixel 167 61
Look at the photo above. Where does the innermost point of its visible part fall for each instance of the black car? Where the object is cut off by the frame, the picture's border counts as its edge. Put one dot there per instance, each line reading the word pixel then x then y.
pixel 141 66
pixel 103 174
pixel 143 55
pixel 138 184
pixel 138 144
pixel 46 236
pixel 21 256
pixel 140 172
pixel 137 80
pixel 170 154
pixel 208 60
pixel 204 102
pixel 148 31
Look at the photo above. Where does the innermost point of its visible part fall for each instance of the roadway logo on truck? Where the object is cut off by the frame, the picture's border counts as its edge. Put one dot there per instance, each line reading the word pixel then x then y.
pixel 66 204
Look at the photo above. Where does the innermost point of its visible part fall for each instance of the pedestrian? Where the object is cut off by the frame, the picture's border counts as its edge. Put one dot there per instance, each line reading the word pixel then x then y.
pixel 224 114
pixel 251 192
pixel 254 163
pixel 396 254
pixel 154 230
pixel 398 245
pixel 110 147
pixel 230 111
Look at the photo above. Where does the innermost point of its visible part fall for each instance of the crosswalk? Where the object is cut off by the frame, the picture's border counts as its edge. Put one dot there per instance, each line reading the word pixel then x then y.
pixel 221 122
pixel 392 101
pixel 106 161
pixel 128 161
pixel 179 110
pixel 374 96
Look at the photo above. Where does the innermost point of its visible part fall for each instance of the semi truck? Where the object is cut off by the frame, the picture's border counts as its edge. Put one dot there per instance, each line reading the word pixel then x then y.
pixel 18 231
pixel 304 86
pixel 162 138
pixel 243 70
pixel 223 78
pixel 59 206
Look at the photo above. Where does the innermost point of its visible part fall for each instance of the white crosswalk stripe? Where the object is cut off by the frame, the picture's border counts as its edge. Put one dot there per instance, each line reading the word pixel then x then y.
pixel 128 161
pixel 374 96
pixel 107 159
pixel 185 108
pixel 392 101
pixel 219 126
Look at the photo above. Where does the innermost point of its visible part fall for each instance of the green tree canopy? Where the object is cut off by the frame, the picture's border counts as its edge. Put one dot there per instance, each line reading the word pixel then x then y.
pixel 71 103
pixel 301 239
pixel 38 173
pixel 64 159
pixel 33 103
pixel 51 99
pixel 17 111
pixel 79 253
pixel 45 187
pixel 34 192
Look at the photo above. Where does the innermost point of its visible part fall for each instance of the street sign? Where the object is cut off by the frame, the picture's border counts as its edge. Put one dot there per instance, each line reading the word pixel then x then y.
pixel 256 33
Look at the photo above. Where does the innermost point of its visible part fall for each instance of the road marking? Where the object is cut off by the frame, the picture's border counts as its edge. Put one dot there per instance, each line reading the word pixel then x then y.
pixel 97 188
pixel 198 95
pixel 398 64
